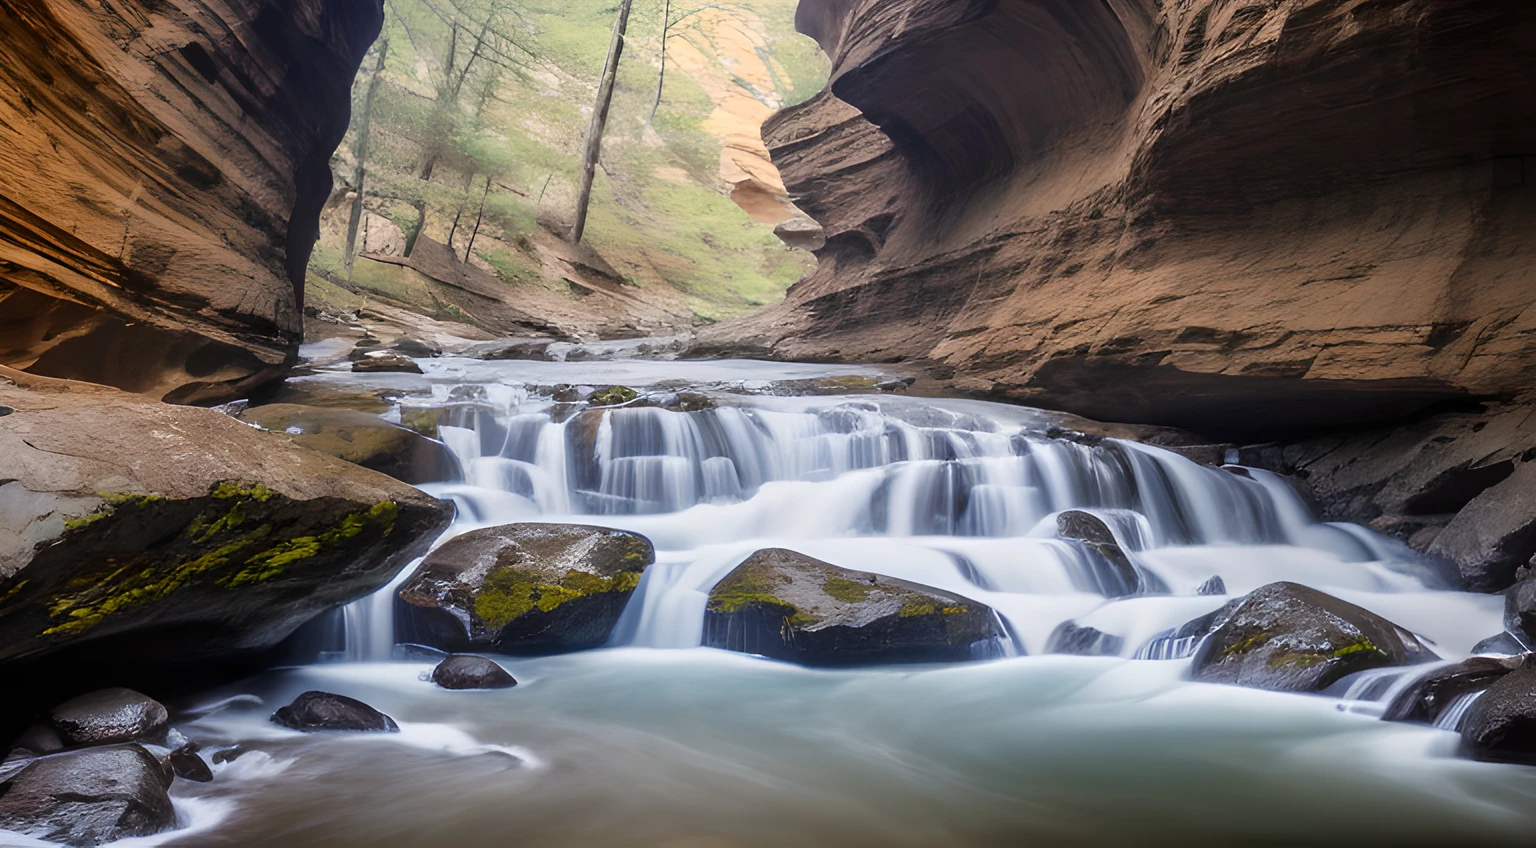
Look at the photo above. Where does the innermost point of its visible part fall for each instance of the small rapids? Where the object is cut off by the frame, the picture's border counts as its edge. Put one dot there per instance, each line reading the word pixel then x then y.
pixel 657 741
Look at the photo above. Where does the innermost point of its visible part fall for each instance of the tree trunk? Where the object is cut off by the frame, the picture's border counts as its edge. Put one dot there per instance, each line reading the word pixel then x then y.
pixel 661 80
pixel 594 147
pixel 364 128
pixel 478 218
pixel 421 224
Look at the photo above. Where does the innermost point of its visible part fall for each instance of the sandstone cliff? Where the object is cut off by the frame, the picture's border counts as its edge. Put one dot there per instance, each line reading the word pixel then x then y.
pixel 165 166
pixel 1253 218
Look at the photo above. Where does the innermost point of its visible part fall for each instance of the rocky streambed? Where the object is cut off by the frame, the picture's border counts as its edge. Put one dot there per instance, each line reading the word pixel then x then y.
pixel 728 602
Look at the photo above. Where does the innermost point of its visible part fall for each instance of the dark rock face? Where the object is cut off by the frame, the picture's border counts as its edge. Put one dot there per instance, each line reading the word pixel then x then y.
pixel 39 739
pixel 162 193
pixel 1456 486
pixel 110 715
pixel 143 532
pixel 318 711
pixel 788 606
pixel 1432 694
pixel 88 797
pixel 466 671
pixel 1288 637
pixel 1082 205
pixel 527 588
pixel 1501 726
pixel 359 438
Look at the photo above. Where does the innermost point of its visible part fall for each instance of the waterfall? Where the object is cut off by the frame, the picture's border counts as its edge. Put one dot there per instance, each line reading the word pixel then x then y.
pixel 942 494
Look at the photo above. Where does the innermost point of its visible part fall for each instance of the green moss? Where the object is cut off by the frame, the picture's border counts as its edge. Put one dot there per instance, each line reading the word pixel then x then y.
pixel 613 396
pixel 1361 645
pixel 114 502
pixel 12 592
pixel 273 561
pixel 846 591
pixel 230 491
pixel 98 598
pixel 510 593
pixel 912 609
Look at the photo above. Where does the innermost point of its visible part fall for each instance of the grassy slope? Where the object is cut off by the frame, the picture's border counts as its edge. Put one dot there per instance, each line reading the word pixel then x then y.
pixel 660 213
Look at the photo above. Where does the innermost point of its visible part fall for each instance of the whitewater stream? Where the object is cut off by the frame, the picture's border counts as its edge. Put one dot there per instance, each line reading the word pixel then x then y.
pixel 655 741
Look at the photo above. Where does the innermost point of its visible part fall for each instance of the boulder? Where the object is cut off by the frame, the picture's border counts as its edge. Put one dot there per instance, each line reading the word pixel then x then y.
pixel 1428 697
pixel 467 671
pixel 1071 638
pixel 88 797
pixel 1181 642
pixel 527 588
pixel 386 362
pixel 110 715
pixel 1501 726
pixel 133 531
pixel 1288 637
pixel 188 764
pixel 1495 533
pixel 39 738
pixel 320 711
pixel 1119 577
pixel 1520 610
pixel 359 438
pixel 415 347
pixel 536 351
pixel 786 605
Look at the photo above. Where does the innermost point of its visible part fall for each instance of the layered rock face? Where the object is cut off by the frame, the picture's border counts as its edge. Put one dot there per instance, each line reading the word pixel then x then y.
pixel 1251 219
pixel 166 163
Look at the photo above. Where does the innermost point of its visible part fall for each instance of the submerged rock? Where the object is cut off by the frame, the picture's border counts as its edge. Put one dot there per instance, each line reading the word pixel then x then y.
pixel 527 588
pixel 386 362
pixel 1501 726
pixel 315 711
pixel 1288 637
pixel 1070 638
pixel 1427 698
pixel 88 797
pixel 788 606
pixel 467 671
pixel 110 715
pixel 359 438
pixel 135 531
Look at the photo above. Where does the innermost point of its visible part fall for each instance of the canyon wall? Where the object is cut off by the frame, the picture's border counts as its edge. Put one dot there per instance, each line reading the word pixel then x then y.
pixel 166 163
pixel 1253 218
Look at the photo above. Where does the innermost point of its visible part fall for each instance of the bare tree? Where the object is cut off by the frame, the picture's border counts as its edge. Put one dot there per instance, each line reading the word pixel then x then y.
pixel 365 122
pixel 594 145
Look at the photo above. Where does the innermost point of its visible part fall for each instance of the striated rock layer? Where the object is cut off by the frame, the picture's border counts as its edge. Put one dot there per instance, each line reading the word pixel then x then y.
pixel 1251 218
pixel 166 162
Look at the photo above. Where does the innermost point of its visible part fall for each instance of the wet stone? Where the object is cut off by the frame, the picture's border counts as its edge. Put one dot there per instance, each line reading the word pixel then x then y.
pixel 467 671
pixel 88 797
pixel 1501 726
pixel 1289 637
pixel 109 715
pixel 321 711
pixel 190 765
pixel 1070 638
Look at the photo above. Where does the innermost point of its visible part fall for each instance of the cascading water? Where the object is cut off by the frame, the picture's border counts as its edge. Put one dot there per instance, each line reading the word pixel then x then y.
pixel 963 499
pixel 656 741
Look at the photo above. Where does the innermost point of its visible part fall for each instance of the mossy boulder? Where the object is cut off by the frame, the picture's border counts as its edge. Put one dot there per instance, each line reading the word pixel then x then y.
pixel 789 606
pixel 359 438
pixel 527 588
pixel 1289 637
pixel 1501 726
pixel 136 531
pixel 613 396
